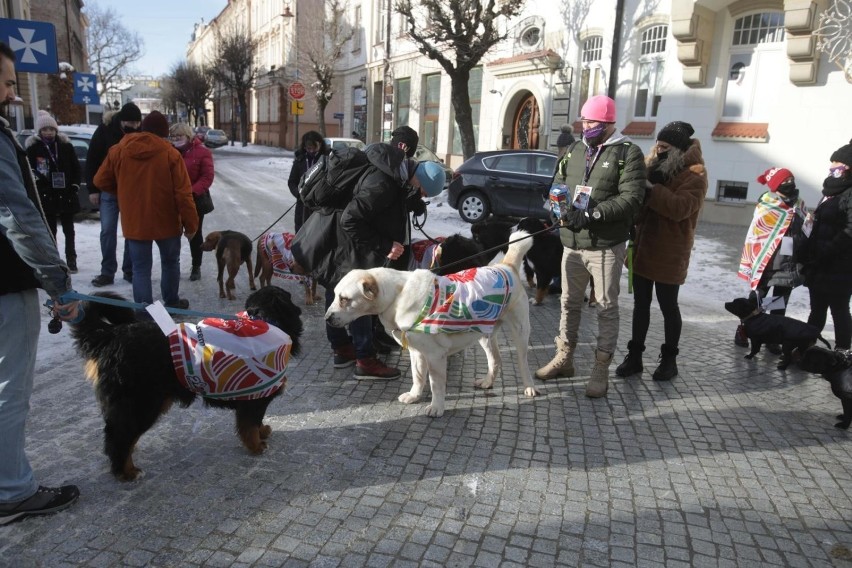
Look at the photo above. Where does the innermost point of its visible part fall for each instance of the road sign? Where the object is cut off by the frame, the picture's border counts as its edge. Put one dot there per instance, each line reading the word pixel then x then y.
pixel 34 44
pixel 297 91
pixel 338 116
pixel 85 89
pixel 297 108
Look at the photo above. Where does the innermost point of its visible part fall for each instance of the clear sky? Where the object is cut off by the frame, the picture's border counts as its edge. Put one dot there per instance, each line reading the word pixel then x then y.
pixel 164 25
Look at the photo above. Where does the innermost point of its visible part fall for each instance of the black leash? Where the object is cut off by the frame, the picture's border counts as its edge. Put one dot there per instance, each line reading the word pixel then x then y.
pixel 418 224
pixel 492 249
pixel 274 222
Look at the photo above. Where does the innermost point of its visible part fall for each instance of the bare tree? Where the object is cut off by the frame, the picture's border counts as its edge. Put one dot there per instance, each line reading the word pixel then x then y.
pixel 234 69
pixel 190 85
pixel 460 33
pixel 112 47
pixel 321 49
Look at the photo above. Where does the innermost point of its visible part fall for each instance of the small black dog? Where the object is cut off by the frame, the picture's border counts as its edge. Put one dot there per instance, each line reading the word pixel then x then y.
pixel 763 328
pixel 545 257
pixel 836 368
pixel 459 253
pixel 130 364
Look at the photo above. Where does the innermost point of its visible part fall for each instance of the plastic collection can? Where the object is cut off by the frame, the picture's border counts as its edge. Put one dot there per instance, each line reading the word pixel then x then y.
pixel 558 199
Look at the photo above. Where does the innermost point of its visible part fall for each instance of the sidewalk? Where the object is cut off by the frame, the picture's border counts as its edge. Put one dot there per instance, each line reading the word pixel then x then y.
pixel 731 464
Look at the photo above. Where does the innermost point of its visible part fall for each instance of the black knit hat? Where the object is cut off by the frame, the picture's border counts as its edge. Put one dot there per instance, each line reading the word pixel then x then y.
pixel 843 155
pixel 130 113
pixel 677 134
pixel 156 124
pixel 406 139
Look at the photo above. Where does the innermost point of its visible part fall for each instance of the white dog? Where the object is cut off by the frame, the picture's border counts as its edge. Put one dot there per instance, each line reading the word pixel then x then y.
pixel 437 316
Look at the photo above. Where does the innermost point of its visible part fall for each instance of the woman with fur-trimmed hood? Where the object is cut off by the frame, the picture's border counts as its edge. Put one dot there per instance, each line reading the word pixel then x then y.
pixel 57 173
pixel 665 232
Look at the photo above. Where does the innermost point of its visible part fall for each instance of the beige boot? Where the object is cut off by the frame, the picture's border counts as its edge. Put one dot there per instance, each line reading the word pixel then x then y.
pixel 599 381
pixel 562 364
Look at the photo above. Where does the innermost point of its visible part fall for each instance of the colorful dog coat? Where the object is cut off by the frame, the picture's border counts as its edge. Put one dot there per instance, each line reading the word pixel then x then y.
pixel 240 359
pixel 471 300
pixel 423 253
pixel 277 249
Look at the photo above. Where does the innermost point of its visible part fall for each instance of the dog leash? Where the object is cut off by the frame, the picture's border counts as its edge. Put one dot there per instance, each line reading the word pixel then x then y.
pixel 68 296
pixel 274 222
pixel 492 249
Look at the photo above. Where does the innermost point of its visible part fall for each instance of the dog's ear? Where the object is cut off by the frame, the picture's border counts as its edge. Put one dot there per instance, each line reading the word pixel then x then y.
pixel 369 287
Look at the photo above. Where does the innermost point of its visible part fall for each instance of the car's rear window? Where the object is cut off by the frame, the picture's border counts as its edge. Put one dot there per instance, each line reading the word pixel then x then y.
pixel 216 132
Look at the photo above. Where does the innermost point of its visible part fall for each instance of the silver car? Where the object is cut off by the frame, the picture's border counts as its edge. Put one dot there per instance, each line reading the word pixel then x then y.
pixel 215 138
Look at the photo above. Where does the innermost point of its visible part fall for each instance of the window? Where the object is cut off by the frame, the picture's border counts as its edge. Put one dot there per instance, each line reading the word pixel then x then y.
pixel 650 70
pixel 517 163
pixel 756 55
pixel 381 22
pixel 731 191
pixel 531 36
pixel 356 28
pixel 402 97
pixel 591 79
pixel 544 165
pixel 431 109
pixel 474 90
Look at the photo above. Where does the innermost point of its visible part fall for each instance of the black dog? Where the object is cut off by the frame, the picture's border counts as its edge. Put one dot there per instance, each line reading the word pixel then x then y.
pixel 763 328
pixel 836 368
pixel 130 364
pixel 545 256
pixel 459 253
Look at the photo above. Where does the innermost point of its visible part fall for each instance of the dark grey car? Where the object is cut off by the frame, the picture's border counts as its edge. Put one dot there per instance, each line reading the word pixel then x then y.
pixel 514 183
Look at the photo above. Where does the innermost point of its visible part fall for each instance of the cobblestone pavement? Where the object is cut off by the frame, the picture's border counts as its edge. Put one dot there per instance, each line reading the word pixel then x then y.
pixel 731 464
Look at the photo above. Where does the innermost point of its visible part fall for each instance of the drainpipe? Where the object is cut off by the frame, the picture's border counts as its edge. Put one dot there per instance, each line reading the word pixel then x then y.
pixel 616 50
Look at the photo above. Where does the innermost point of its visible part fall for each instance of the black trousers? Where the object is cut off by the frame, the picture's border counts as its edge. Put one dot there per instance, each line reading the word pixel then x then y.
pixel 195 243
pixel 823 300
pixel 67 221
pixel 667 298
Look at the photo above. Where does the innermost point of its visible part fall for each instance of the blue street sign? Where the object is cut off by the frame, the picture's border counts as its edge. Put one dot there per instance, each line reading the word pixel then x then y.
pixel 338 115
pixel 34 44
pixel 86 89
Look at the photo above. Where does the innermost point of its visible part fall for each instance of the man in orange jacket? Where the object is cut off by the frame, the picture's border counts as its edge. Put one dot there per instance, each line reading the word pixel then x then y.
pixel 155 198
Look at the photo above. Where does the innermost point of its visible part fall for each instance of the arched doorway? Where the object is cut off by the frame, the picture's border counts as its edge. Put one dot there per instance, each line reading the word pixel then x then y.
pixel 525 124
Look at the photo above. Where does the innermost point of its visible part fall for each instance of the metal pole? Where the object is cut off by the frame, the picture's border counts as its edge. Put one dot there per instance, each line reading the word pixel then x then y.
pixel 33 98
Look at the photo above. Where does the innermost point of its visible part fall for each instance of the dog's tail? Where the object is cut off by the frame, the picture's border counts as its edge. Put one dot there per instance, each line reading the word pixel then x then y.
pixel 95 329
pixel 519 245
pixel 259 259
pixel 826 343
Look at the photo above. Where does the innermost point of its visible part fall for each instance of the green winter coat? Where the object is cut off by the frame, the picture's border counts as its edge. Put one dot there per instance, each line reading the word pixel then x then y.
pixel 618 198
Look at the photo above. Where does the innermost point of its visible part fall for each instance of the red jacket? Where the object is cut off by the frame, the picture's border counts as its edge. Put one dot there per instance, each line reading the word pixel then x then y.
pixel 199 164
pixel 154 192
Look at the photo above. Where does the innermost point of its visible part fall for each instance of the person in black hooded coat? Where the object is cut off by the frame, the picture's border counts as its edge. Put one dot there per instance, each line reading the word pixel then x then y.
pixel 313 146
pixel 827 251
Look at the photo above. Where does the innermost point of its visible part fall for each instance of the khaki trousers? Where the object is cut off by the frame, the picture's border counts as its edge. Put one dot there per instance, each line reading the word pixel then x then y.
pixel 605 267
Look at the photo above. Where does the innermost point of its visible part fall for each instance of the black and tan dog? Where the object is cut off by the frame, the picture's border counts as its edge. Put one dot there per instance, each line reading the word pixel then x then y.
pixel 458 253
pixel 130 364
pixel 545 256
pixel 232 250
pixel 763 328
pixel 836 368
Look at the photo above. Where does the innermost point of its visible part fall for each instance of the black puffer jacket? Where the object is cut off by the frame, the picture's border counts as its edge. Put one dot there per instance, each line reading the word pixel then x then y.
pixel 827 253
pixel 330 244
pixel 105 137
pixel 56 158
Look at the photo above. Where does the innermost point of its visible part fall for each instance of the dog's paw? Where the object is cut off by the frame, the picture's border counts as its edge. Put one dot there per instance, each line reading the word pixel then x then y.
pixel 533 302
pixel 221 294
pixel 131 474
pixel 252 287
pixel 434 410
pixel 530 392
pixel 782 366
pixel 408 398
pixel 483 383
pixel 843 425
pixel 749 356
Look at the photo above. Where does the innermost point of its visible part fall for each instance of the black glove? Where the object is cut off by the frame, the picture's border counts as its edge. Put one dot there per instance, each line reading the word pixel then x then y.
pixel 655 176
pixel 575 220
pixel 416 205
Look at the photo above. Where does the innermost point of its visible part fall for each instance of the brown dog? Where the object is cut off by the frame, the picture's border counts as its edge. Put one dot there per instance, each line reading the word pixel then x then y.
pixel 274 258
pixel 232 250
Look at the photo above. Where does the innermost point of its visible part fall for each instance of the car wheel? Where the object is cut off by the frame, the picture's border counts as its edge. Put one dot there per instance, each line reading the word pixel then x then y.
pixel 474 207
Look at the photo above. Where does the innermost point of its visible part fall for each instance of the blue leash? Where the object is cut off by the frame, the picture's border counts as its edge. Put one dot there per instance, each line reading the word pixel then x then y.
pixel 68 296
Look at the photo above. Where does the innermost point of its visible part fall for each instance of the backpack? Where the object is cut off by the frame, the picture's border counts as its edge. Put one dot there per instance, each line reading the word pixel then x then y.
pixel 330 182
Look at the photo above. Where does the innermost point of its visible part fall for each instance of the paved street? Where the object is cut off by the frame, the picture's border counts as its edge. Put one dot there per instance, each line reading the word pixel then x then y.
pixel 732 464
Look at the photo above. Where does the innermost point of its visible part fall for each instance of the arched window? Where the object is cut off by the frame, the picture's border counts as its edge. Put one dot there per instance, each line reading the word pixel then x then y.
pixel 649 71
pixel 756 55
pixel 591 78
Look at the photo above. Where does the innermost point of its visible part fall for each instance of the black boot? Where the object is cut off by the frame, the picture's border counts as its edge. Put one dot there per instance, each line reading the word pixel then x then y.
pixel 667 369
pixel 633 362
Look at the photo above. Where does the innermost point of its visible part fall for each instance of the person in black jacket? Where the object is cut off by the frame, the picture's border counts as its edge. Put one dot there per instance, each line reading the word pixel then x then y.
pixel 564 140
pixel 313 146
pixel 827 250
pixel 108 134
pixel 57 172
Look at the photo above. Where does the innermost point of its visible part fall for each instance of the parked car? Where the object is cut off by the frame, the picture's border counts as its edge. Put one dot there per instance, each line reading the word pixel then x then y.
pixel 80 135
pixel 215 138
pixel 514 183
pixel 343 143
pixel 201 130
pixel 424 154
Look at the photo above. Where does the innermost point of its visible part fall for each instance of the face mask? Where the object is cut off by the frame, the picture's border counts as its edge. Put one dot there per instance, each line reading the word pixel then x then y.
pixel 837 172
pixel 592 134
pixel 48 137
pixel 661 156
pixel 129 129
pixel 180 145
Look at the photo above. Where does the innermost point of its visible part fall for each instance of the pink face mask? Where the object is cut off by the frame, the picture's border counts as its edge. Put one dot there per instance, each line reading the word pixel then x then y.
pixel 837 171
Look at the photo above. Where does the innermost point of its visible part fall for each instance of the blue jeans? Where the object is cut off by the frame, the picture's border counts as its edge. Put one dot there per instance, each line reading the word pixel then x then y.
pixel 140 255
pixel 19 328
pixel 361 330
pixel 109 237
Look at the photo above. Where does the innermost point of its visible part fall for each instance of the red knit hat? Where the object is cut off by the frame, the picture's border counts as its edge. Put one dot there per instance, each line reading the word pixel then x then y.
pixel 774 177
